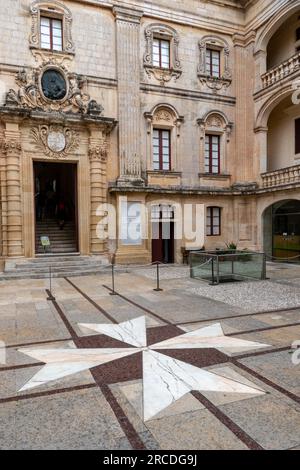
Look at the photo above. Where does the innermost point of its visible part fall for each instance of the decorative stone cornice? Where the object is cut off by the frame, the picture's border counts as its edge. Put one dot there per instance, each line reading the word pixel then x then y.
pixel 217 121
pixel 127 14
pixel 243 40
pixel 166 115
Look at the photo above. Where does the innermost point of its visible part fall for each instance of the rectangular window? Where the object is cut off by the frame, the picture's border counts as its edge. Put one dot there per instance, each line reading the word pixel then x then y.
pixel 213 221
pixel 212 154
pixel 161 149
pixel 51 34
pixel 161 53
pixel 213 63
pixel 297 136
pixel 131 223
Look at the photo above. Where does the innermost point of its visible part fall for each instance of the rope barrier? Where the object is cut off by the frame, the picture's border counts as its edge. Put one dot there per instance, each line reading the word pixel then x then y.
pixel 282 259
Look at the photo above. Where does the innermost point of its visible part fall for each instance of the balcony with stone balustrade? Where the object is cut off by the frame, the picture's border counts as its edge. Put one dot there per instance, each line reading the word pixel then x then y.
pixel 282 177
pixel 287 68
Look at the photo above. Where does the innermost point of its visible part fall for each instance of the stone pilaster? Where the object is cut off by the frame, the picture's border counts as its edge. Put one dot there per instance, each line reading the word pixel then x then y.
pixel 11 193
pixel 128 72
pixel 244 87
pixel 98 154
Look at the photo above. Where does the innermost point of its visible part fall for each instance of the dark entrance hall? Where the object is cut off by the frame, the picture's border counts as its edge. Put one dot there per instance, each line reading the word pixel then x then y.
pixel 56 207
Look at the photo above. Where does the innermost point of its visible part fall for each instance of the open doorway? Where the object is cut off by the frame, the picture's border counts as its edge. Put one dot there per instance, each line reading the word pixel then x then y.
pixel 55 200
pixel 282 230
pixel 162 233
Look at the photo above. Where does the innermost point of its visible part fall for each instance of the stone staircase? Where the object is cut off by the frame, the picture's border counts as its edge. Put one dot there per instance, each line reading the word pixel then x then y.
pixel 62 241
pixel 61 266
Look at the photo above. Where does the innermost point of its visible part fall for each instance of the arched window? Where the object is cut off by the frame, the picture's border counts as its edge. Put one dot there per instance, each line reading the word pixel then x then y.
pixel 161 57
pixel 163 128
pixel 51 27
pixel 214 68
pixel 215 136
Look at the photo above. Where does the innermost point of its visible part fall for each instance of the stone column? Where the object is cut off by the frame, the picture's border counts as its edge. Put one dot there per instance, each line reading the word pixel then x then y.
pixel 13 245
pixel 98 151
pixel 128 73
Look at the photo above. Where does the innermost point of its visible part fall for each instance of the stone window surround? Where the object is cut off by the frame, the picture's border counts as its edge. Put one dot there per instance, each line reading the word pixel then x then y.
pixel 161 31
pixel 215 123
pixel 51 9
pixel 218 44
pixel 163 116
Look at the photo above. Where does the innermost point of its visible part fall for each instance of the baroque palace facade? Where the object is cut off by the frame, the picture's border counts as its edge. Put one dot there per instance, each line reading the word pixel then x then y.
pixel 180 102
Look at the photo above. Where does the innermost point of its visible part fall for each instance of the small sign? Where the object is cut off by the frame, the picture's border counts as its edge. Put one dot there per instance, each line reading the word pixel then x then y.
pixel 45 241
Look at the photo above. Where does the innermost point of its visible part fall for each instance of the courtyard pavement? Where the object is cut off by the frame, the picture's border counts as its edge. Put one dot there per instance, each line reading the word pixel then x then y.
pixel 234 385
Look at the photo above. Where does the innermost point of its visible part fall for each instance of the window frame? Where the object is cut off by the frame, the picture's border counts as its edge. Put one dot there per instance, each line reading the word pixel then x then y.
pixel 160 41
pixel 210 156
pixel 210 216
pixel 51 19
pixel 210 51
pixel 160 149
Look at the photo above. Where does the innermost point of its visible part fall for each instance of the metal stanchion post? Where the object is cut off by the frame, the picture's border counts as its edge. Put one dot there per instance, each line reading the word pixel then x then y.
pixel 158 289
pixel 113 280
pixel 51 297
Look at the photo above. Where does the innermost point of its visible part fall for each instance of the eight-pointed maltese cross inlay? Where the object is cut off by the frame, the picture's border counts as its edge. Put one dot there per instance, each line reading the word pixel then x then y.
pixel 165 379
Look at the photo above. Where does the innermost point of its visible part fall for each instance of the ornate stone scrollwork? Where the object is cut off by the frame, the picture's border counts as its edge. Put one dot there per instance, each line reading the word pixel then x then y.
pixel 12 146
pixel 31 93
pixel 225 79
pixel 215 121
pixel 161 74
pixel 98 152
pixel 165 115
pixel 55 141
pixel 39 6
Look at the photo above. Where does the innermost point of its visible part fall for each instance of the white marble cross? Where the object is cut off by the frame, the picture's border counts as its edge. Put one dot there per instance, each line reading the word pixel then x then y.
pixel 165 379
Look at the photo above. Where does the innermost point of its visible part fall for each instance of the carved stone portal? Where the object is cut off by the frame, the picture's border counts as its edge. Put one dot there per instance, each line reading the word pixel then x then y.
pixel 55 141
pixel 51 87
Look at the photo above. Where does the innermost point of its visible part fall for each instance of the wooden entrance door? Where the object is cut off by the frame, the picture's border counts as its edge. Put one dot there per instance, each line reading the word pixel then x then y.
pixel 163 236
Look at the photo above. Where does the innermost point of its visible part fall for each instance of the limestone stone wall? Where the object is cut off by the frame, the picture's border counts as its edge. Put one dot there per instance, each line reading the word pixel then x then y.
pixel 108 56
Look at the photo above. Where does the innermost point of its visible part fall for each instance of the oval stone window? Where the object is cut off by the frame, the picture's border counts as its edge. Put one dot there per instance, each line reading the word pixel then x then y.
pixel 54 85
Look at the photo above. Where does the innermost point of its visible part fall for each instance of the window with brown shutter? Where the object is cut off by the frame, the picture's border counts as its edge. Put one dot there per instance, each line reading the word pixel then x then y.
pixel 297 136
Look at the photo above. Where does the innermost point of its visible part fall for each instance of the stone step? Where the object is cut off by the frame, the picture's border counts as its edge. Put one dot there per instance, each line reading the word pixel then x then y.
pixel 55 269
pixel 61 266
pixel 62 251
pixel 58 260
pixel 59 244
pixel 33 275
